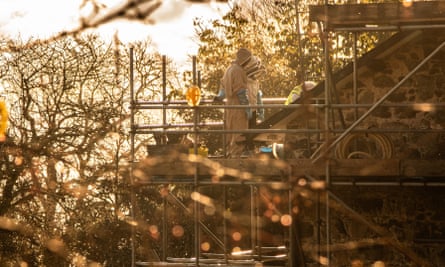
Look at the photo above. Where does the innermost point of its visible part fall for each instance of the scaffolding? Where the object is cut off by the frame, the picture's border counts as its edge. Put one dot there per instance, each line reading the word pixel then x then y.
pixel 353 18
pixel 200 173
pixel 191 175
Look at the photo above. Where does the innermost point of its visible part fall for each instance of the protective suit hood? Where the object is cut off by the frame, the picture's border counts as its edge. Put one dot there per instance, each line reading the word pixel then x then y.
pixel 243 56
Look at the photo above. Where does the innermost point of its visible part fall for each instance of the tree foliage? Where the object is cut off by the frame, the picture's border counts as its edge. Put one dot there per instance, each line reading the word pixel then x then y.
pixel 280 33
pixel 269 29
pixel 64 189
pixel 63 164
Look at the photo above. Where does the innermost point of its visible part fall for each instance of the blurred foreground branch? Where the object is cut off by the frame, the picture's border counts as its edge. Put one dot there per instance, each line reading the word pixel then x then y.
pixel 131 10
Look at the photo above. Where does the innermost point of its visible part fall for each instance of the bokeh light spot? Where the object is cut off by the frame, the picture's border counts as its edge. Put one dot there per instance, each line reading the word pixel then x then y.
pixel 323 260
pixel 178 231
pixel 153 229
pixel 275 218
pixel 210 210
pixel 424 107
pixel 268 213
pixel 195 196
pixel 164 191
pixel 236 236
pixel 286 220
pixel 79 260
pixel 18 160
pixel 277 199
pixel 318 185
pixel 302 182
pixel 217 178
pixel 227 214
pixel 205 246
pixel 56 245
pixel 132 222
pixel 357 263
pixel 378 264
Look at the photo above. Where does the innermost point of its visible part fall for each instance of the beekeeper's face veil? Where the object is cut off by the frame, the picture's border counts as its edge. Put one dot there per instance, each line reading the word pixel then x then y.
pixel 243 56
pixel 254 68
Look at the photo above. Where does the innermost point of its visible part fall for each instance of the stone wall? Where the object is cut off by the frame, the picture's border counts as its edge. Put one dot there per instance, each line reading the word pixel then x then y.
pixel 424 87
pixel 412 217
pixel 407 109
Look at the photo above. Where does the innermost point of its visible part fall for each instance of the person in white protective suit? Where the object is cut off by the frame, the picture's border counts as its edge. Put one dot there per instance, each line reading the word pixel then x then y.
pixel 255 70
pixel 234 87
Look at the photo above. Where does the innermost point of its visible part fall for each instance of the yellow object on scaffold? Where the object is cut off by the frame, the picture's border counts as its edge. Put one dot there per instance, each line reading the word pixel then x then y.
pixel 4 118
pixel 193 96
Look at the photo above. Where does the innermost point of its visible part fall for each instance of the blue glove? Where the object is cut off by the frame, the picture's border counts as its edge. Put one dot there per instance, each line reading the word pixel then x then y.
pixel 221 95
pixel 244 100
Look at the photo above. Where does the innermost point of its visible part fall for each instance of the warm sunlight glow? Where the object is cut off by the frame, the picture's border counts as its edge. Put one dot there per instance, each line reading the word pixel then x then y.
pixel 407 3
pixel 170 27
pixel 31 18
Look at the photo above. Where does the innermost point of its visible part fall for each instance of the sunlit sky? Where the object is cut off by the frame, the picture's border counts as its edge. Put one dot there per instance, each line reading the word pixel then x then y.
pixel 170 27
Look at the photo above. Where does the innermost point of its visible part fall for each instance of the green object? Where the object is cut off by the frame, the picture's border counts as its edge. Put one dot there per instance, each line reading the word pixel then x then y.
pixel 294 95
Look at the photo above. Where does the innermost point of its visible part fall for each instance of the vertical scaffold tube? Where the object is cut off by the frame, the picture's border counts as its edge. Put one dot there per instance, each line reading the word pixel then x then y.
pixel 196 178
pixel 164 122
pixel 132 133
pixel 325 40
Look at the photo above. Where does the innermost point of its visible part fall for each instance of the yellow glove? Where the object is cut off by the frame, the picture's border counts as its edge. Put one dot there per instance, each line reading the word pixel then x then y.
pixel 294 95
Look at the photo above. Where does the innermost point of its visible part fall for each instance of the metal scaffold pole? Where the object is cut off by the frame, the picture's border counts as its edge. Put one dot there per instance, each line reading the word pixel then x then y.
pixel 132 134
pixel 196 178
pixel 327 100
pixel 164 119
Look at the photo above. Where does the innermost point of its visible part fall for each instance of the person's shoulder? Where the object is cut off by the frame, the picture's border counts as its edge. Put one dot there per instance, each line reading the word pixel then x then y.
pixel 236 67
